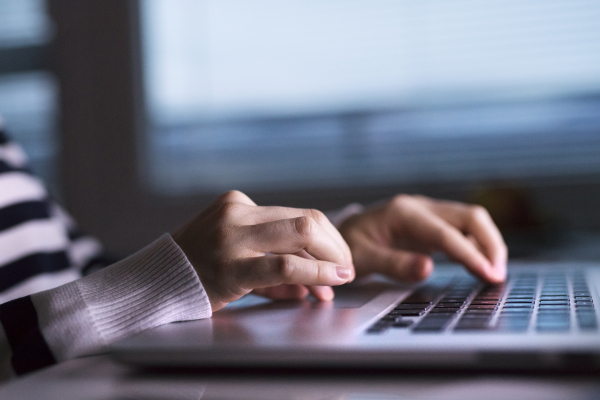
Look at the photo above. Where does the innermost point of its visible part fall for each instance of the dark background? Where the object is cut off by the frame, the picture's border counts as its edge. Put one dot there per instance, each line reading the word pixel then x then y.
pixel 95 55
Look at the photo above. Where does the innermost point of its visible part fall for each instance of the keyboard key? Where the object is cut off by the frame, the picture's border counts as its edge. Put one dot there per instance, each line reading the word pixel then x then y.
pixel 455 299
pixel 423 295
pixel 378 327
pixel 475 317
pixel 448 305
pixel 407 313
pixel 430 326
pixel 451 311
pixel 587 323
pixel 435 320
pixel 411 306
pixel 403 323
pixel 552 328
pixel 553 307
pixel 583 303
pixel 512 327
pixel 480 312
pixel 471 327
pixel 545 313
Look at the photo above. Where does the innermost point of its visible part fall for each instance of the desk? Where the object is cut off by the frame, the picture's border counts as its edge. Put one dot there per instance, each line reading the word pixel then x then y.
pixel 100 378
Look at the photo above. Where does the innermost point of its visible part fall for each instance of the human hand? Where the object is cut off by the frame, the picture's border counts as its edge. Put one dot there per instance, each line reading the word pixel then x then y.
pixel 396 238
pixel 236 247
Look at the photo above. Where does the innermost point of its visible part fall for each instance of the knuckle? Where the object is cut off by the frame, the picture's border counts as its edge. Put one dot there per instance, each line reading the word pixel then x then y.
pixel 305 227
pixel 478 213
pixel 317 215
pixel 402 201
pixel 420 198
pixel 445 237
pixel 321 273
pixel 227 210
pixel 285 267
pixel 232 196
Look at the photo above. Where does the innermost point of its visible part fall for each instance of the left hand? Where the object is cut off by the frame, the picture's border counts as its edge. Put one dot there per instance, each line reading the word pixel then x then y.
pixel 396 238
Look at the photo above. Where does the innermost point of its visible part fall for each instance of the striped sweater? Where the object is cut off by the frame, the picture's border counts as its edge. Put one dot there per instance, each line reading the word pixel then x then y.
pixel 52 307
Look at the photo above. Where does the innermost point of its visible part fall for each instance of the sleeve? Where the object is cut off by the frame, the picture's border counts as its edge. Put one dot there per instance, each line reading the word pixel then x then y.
pixel 155 286
pixel 48 313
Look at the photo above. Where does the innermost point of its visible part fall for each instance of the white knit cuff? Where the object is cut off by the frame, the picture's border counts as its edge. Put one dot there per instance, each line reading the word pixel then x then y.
pixel 154 286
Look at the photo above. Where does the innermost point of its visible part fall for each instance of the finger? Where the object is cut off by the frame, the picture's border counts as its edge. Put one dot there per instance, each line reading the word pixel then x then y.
pixel 292 236
pixel 272 213
pixel 234 196
pixel 399 264
pixel 321 293
pixel 260 215
pixel 477 222
pixel 302 253
pixel 291 292
pixel 429 228
pixel 475 243
pixel 274 270
pixel 283 292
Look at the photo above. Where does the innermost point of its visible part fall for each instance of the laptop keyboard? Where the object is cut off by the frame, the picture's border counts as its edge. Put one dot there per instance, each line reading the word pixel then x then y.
pixel 548 302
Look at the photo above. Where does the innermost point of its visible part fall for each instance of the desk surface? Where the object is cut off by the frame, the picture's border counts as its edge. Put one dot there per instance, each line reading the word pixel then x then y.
pixel 100 378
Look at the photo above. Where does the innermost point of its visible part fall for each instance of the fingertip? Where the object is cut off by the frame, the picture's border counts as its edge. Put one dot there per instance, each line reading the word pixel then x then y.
pixel 492 273
pixel 327 296
pixel 421 268
pixel 283 292
pixel 322 293
pixel 499 272
pixel 498 267
pixel 353 274
pixel 344 273
pixel 301 292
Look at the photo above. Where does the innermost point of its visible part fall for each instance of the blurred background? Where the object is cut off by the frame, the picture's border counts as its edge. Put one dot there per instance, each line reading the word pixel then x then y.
pixel 139 113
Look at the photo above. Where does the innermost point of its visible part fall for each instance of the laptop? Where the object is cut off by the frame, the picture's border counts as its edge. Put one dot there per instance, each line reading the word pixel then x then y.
pixel 545 316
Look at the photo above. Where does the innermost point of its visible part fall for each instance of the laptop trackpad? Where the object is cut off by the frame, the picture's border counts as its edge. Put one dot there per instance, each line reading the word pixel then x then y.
pixel 348 296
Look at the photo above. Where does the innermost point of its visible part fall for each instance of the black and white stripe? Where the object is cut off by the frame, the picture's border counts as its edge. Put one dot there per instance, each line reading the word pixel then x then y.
pixel 29 349
pixel 40 248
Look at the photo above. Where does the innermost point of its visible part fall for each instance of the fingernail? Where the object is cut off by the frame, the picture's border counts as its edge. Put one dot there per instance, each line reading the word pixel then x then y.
pixel 342 272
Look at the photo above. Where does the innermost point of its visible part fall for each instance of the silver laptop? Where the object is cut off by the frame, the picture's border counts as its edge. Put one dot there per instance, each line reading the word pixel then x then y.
pixel 544 316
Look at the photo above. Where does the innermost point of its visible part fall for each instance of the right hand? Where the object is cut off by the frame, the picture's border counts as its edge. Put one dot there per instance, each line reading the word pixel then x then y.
pixel 236 247
pixel 395 238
